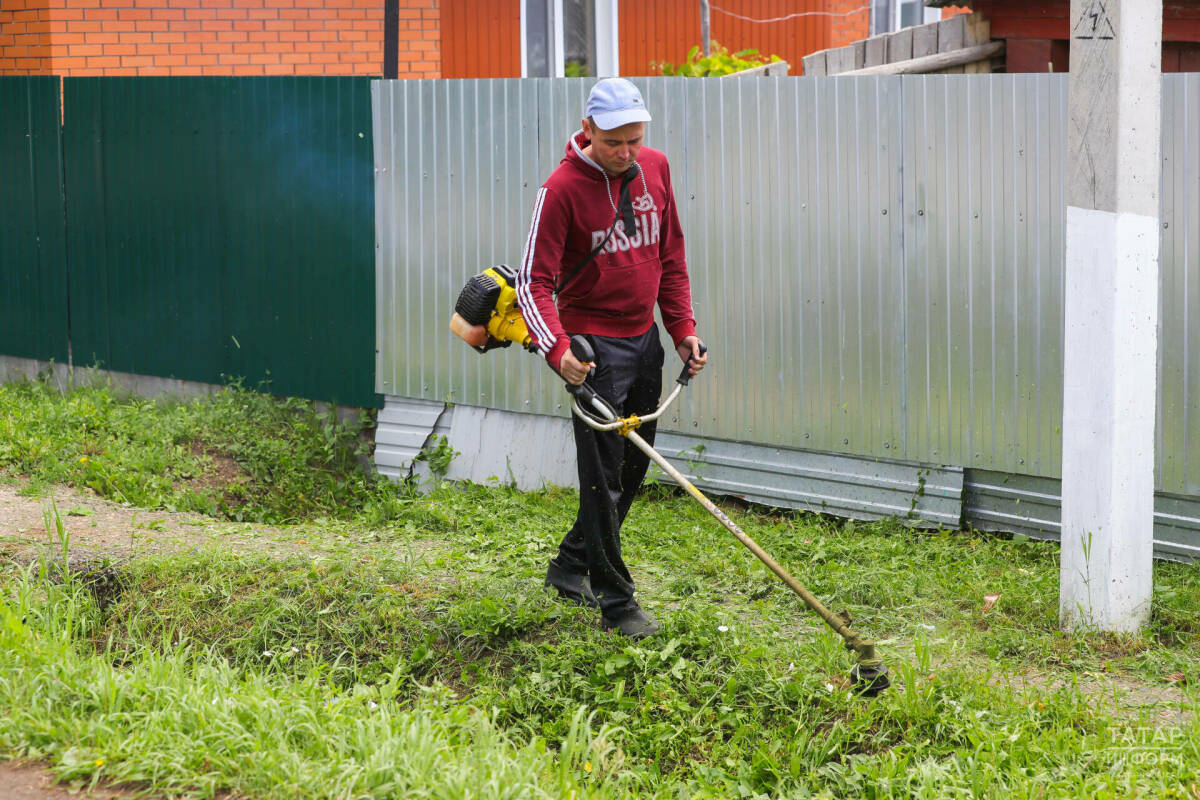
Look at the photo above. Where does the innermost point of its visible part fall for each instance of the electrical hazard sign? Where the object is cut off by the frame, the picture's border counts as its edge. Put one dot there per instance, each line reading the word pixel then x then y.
pixel 1094 23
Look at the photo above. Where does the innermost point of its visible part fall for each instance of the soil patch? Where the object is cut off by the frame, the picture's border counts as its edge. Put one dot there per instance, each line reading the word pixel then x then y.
pixel 25 781
pixel 102 530
pixel 222 472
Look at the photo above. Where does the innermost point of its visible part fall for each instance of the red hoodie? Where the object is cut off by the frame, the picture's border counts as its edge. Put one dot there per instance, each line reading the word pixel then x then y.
pixel 615 294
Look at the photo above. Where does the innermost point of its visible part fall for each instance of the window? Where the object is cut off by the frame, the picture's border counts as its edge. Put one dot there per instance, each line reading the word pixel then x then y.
pixel 579 38
pixel 892 15
pixel 569 38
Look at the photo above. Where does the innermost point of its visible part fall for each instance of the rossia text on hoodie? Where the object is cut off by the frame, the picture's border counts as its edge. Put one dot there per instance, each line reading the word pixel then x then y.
pixel 614 295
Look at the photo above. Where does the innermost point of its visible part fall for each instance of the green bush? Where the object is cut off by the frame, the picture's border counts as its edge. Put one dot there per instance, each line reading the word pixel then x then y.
pixel 720 62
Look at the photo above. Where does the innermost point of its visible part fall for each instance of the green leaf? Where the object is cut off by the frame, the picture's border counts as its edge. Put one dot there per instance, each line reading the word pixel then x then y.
pixel 616 663
pixel 666 652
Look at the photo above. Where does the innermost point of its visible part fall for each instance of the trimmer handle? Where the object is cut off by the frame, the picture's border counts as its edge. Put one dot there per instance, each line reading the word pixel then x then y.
pixel 581 348
pixel 684 377
pixel 587 397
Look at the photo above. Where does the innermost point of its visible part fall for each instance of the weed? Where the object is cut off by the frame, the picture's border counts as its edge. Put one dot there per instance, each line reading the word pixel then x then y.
pixel 694 457
pixel 438 454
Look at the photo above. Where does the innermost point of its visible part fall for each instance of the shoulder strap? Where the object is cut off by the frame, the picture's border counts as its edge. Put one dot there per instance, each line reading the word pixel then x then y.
pixel 625 209
pixel 587 260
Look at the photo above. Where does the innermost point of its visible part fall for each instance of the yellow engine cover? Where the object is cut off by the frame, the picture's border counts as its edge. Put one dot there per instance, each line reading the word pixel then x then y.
pixel 506 323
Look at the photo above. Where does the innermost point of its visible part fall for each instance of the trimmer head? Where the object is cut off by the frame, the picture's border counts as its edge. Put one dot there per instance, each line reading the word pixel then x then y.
pixel 869 679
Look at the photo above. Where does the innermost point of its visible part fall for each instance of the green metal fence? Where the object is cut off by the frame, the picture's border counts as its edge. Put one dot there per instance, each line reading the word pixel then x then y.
pixel 220 228
pixel 33 276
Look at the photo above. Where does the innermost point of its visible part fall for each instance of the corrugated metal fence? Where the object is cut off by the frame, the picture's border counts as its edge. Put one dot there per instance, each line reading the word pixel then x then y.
pixel 1178 445
pixel 33 284
pixel 877 262
pixel 213 228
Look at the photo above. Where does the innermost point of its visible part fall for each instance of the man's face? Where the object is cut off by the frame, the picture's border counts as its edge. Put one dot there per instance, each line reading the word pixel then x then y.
pixel 617 149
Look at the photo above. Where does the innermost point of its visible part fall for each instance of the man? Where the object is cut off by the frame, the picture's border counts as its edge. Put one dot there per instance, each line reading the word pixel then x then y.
pixel 605 241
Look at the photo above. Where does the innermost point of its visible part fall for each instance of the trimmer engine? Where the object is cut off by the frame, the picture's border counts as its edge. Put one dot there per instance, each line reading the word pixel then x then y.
pixel 486 314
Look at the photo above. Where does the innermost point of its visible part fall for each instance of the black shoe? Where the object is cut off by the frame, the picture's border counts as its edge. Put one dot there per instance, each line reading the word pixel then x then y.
pixel 574 587
pixel 637 625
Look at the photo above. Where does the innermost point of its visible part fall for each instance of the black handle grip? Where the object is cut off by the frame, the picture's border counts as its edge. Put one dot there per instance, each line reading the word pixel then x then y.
pixel 581 348
pixel 684 377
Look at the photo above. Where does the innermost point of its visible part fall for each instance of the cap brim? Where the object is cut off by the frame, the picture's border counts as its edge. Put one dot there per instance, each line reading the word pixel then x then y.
pixel 608 120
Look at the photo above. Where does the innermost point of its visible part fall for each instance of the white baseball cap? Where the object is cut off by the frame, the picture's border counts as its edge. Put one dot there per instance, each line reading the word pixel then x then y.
pixel 614 102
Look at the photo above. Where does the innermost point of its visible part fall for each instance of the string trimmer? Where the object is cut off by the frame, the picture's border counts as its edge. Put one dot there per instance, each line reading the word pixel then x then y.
pixel 486 316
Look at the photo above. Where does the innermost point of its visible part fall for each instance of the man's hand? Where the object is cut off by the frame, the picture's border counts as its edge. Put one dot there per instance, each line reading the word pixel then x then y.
pixel 572 369
pixel 689 351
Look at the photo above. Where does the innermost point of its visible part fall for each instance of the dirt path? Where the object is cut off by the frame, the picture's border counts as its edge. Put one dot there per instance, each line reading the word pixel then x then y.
pixel 99 527
pixel 23 781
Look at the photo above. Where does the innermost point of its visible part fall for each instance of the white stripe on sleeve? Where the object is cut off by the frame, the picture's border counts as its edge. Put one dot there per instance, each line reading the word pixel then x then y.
pixel 537 324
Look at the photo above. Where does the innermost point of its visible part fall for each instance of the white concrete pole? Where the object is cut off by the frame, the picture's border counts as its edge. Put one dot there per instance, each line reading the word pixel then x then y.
pixel 1111 334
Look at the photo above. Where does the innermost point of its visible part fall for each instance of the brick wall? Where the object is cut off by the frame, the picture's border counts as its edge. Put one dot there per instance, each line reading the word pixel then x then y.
pixel 855 25
pixel 420 39
pixel 214 37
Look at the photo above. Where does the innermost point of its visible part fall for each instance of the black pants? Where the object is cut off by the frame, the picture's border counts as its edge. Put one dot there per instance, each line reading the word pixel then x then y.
pixel 628 374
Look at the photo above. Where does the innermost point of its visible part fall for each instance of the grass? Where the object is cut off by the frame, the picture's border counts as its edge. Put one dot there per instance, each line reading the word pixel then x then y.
pixel 414 652
pixel 238 454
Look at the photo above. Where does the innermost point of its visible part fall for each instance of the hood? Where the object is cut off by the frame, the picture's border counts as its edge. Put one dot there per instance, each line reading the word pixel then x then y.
pixel 575 157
